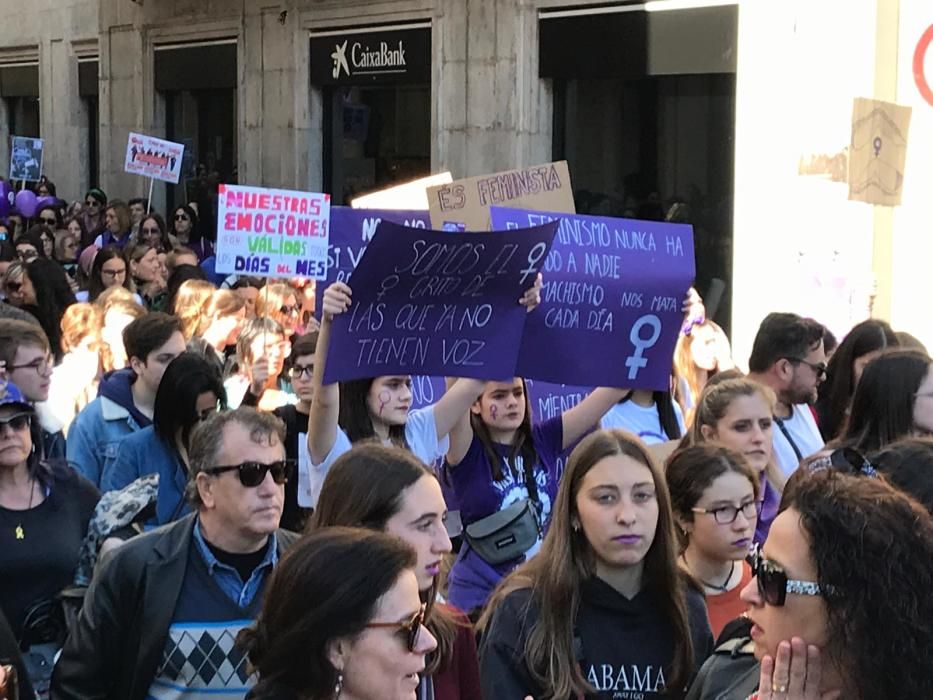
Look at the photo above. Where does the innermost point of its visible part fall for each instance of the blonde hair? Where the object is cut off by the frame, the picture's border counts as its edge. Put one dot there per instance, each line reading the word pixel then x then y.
pixel 189 304
pixel 272 298
pixel 117 295
pixel 714 403
pixel 171 258
pixel 222 302
pixel 80 321
pixel 118 300
pixel 686 370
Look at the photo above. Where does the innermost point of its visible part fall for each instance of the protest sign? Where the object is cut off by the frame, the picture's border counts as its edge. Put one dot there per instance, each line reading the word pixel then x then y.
pixel 426 302
pixel 463 205
pixel 154 158
pixel 272 233
pixel 26 158
pixel 611 304
pixel 350 232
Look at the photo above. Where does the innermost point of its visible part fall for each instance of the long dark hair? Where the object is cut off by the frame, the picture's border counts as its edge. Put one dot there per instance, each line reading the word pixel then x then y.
pixel 187 377
pixel 164 241
pixel 872 547
pixel 96 283
pixel 354 417
pixel 522 445
pixel 364 489
pixel 53 296
pixel 883 404
pixel 836 392
pixel 566 560
pixel 195 234
pixel 326 587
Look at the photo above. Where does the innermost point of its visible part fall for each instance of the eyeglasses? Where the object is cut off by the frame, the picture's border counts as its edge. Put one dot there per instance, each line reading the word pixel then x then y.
pixel 41 366
pixel 92 203
pixel 819 369
pixel 411 630
pixel 113 273
pixel 151 232
pixel 14 286
pixel 17 422
pixel 726 515
pixel 47 222
pixel 299 371
pixel 252 474
pixel 181 217
pixel 773 584
pixel 27 255
pixel 290 310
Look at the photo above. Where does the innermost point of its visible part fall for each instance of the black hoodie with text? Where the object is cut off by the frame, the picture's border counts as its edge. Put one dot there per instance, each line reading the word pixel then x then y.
pixel 623 646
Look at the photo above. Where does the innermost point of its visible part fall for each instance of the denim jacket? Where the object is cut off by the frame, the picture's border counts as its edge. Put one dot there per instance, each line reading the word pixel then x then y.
pixel 95 437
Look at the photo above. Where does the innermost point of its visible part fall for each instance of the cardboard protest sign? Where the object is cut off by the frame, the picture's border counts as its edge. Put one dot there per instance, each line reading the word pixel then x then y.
pixel 155 158
pixel 878 151
pixel 26 158
pixel 351 230
pixel 611 303
pixel 272 233
pixel 463 205
pixel 431 303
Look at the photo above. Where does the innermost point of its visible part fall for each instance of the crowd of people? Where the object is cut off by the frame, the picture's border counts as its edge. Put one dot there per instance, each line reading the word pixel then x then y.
pixel 188 510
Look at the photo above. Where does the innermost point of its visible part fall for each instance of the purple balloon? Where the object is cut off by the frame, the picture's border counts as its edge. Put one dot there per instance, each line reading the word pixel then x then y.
pixel 6 199
pixel 26 203
pixel 47 201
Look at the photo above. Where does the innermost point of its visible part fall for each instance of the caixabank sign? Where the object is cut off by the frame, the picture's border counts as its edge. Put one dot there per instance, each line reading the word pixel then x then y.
pixel 371 55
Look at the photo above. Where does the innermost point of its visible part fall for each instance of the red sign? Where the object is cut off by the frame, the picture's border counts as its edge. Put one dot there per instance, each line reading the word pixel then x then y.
pixel 923 84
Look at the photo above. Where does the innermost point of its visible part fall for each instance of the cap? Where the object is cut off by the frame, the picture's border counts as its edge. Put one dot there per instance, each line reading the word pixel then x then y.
pixel 10 395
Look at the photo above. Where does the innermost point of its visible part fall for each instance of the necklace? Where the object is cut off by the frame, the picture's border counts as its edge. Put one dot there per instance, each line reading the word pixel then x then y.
pixel 725 584
pixel 18 531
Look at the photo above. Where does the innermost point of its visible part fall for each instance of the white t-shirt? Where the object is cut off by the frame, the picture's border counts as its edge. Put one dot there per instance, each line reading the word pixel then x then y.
pixel 644 422
pixel 420 433
pixel 802 429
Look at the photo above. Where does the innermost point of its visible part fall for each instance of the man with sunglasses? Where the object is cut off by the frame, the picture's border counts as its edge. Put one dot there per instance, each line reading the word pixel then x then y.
pixel 788 356
pixel 160 618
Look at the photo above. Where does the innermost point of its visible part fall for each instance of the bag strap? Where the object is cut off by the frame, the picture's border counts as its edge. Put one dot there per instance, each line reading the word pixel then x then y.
pixel 780 424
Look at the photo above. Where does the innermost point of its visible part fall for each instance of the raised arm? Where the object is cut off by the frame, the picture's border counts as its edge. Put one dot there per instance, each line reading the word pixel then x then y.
pixel 325 408
pixel 587 414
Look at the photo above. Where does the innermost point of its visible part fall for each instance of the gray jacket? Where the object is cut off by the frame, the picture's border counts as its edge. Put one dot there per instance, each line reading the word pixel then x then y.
pixel 731 673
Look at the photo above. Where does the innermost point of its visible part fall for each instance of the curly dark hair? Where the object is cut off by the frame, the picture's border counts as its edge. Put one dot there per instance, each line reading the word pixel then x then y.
pixel 872 546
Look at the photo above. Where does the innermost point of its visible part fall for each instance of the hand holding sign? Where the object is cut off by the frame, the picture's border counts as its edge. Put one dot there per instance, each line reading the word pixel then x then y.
pixel 430 302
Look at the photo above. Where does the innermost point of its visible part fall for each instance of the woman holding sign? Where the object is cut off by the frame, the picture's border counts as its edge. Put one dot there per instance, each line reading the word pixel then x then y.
pixel 504 473
pixel 374 408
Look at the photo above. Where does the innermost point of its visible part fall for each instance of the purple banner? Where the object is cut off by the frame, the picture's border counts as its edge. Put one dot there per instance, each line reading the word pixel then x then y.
pixel 350 232
pixel 436 303
pixel 611 303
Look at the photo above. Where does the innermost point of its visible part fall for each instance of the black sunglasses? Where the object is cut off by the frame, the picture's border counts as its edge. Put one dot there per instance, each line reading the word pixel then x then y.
pixel 289 310
pixel 17 422
pixel 252 474
pixel 14 286
pixel 410 630
pixel 818 369
pixel 773 584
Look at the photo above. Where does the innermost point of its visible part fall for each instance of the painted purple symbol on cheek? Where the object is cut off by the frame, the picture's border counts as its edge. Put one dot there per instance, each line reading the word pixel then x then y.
pixel 384 398
pixel 494 410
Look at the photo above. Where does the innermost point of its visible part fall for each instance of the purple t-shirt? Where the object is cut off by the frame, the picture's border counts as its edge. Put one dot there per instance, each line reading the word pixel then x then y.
pixel 472 578
pixel 770 502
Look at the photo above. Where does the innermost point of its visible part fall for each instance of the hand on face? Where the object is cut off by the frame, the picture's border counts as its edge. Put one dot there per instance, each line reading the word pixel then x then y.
pixel 795 674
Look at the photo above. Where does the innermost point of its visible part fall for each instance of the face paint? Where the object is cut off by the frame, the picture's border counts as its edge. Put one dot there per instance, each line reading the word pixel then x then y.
pixel 384 398
pixel 494 410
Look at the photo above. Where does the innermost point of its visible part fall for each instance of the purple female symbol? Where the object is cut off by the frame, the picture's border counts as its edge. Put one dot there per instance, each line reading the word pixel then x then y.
pixel 384 398
pixel 877 144
pixel 494 410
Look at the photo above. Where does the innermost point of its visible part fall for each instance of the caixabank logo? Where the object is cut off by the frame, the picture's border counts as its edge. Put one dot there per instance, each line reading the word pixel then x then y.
pixel 362 59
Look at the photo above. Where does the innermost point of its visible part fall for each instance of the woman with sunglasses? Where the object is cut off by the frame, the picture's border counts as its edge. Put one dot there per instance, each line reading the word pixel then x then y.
pixel 185 228
pixel 93 215
pixel 50 216
pixel 406 501
pixel 714 494
pixel 279 302
pixel 190 391
pixel 739 414
pixel 341 618
pixel 30 245
pixel 44 513
pixel 840 604
pixel 603 610
pixel 893 400
pixel 41 288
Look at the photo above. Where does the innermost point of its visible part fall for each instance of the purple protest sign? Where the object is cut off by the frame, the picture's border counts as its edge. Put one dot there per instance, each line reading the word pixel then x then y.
pixel 350 232
pixel 611 303
pixel 437 303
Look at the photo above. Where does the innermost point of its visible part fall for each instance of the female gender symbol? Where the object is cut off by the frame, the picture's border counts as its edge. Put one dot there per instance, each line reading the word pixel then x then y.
pixel 494 410
pixel 384 398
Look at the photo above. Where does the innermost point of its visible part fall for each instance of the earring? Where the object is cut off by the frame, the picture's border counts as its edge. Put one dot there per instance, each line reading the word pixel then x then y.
pixel 339 686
